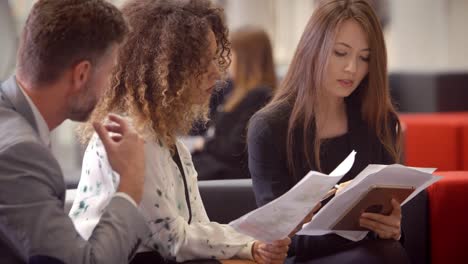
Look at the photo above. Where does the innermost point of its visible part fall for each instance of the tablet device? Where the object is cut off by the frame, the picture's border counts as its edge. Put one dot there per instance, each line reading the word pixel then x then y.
pixel 376 200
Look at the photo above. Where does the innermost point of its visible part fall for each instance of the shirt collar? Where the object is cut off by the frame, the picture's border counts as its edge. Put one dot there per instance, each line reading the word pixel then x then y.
pixel 44 132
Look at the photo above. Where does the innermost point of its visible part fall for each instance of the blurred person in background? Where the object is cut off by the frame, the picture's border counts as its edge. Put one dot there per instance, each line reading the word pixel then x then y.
pixel 252 70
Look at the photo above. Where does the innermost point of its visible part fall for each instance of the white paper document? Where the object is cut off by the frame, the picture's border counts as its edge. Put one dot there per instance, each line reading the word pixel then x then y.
pixel 281 216
pixel 325 219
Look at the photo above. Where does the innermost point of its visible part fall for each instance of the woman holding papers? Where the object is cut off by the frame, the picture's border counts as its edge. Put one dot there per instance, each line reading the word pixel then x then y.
pixel 333 99
pixel 167 69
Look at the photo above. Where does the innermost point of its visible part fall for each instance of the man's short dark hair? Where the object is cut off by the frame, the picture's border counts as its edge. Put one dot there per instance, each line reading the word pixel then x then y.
pixel 61 33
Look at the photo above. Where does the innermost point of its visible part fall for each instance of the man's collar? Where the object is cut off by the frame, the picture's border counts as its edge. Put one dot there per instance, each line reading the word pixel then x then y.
pixel 43 129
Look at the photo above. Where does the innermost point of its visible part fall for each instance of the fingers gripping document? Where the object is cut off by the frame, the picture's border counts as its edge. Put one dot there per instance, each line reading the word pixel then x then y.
pixel 278 218
pixel 396 175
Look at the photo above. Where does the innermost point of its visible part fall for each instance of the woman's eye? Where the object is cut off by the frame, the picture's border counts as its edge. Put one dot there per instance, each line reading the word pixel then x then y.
pixel 366 59
pixel 340 54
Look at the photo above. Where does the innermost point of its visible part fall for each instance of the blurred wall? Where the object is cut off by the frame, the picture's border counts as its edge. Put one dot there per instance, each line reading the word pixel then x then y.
pixel 428 35
pixel 8 40
pixel 418 35
pixel 284 20
pixel 458 33
pixel 423 35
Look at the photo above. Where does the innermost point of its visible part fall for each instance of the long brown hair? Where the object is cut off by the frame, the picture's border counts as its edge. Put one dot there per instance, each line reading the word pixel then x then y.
pixel 254 63
pixel 164 56
pixel 306 73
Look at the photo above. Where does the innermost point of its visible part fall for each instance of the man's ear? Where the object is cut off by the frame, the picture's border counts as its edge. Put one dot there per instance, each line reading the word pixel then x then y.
pixel 81 73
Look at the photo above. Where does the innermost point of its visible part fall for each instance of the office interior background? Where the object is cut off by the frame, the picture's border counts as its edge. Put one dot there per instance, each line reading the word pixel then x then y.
pixel 424 37
pixel 427 42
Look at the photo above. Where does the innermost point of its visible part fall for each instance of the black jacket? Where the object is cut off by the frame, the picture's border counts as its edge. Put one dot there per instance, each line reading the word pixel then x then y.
pixel 267 161
pixel 224 156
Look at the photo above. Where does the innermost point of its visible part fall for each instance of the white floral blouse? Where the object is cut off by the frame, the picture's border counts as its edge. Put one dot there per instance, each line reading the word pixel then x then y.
pixel 163 205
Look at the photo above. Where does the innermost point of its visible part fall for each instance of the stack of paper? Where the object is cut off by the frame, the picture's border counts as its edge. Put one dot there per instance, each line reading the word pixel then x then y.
pixel 278 218
pixel 419 178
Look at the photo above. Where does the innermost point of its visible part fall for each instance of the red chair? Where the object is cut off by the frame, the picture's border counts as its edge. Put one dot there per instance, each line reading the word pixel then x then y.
pixel 436 140
pixel 464 146
pixel 448 210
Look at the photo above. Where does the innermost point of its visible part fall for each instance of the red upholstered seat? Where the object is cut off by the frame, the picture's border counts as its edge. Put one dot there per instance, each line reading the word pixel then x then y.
pixel 436 140
pixel 464 146
pixel 448 202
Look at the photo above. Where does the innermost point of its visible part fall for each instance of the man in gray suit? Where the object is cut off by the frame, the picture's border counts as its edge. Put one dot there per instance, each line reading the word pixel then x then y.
pixel 67 53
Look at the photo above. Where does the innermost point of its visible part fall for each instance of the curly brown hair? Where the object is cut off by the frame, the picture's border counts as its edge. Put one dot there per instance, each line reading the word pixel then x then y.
pixel 163 58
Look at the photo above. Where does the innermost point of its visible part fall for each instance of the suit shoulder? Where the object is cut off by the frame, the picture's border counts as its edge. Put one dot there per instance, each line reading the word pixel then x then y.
pixel 15 129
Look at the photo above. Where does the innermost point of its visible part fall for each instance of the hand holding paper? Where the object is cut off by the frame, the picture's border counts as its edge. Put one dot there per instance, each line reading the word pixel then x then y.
pixel 385 226
pixel 391 175
pixel 307 219
pixel 283 216
pixel 277 219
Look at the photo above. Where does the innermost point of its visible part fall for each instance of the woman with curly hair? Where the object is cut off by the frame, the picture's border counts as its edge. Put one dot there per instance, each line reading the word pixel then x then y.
pixel 167 70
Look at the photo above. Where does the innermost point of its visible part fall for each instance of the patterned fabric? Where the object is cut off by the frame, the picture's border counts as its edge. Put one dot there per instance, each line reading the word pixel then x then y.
pixel 163 206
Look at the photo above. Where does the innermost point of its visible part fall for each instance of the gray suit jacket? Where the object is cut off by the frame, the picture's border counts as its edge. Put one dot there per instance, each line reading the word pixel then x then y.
pixel 32 193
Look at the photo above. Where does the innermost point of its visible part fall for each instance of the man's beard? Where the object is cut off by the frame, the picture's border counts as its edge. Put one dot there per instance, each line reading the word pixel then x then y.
pixel 83 105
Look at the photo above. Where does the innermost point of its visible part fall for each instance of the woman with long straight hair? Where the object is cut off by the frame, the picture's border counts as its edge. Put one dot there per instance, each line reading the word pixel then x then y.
pixel 252 70
pixel 334 99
